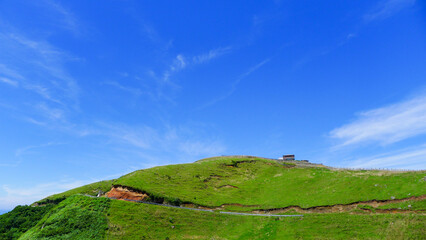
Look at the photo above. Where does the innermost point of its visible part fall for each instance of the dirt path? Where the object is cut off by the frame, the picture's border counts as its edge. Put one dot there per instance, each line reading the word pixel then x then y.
pixel 130 194
pixel 209 210
pixel 345 207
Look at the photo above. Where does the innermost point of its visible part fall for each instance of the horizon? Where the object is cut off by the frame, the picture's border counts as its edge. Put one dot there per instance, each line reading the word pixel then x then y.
pixel 90 92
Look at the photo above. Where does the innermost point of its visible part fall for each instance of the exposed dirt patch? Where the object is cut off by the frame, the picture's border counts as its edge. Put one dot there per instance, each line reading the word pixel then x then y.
pixel 125 193
pixel 343 207
pixel 236 204
pixel 238 163
pixel 212 177
pixel 228 186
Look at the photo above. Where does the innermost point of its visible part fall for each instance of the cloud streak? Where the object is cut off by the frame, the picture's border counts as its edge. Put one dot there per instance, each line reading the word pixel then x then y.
pixel 235 84
pixel 385 125
pixel 387 9
pixel 212 54
pixel 175 140
pixel 37 69
pixel 178 64
pixel 131 90
pixel 63 16
pixel 413 158
pixel 14 196
pixel 9 82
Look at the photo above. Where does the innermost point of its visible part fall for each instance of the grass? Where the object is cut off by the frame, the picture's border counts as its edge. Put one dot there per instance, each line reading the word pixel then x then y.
pixel 129 220
pixel 77 217
pixel 246 184
pixel 269 184
pixel 16 222
pixel 408 205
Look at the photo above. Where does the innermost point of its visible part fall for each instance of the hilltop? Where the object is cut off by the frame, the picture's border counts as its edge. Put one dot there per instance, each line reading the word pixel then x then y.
pixel 342 201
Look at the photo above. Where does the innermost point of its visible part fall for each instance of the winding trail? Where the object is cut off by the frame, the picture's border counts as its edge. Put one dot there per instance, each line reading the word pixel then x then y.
pixel 204 210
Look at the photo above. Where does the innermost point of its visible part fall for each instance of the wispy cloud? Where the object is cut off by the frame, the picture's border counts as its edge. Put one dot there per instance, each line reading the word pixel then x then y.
pixel 178 64
pixel 181 62
pixel 385 125
pixel 131 90
pixel 14 196
pixel 387 8
pixel 167 139
pixel 30 149
pixel 63 16
pixel 36 58
pixel 8 81
pixel 10 72
pixel 212 54
pixel 235 84
pixel 410 158
pixel 50 112
pixel 37 67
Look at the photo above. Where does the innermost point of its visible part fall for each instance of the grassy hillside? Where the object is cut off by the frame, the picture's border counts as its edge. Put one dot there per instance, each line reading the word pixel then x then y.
pixel 81 217
pixel 237 184
pixel 16 222
pixel 129 220
pixel 77 217
pixel 269 184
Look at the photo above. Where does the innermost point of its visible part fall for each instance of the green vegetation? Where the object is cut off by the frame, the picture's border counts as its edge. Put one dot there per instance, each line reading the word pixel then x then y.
pixel 129 220
pixel 269 184
pixel 408 205
pixel 77 217
pixel 90 189
pixel 16 222
pixel 237 184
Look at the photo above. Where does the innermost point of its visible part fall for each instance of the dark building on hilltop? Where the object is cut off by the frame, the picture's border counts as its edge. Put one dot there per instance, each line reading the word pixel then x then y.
pixel 289 157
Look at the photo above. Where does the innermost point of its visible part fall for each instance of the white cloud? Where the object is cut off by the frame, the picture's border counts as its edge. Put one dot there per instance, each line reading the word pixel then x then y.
pixel 62 16
pixel 179 63
pixel 10 72
pixel 8 81
pixel 40 90
pixel 37 67
pixel 413 158
pixel 198 148
pixel 133 91
pixel 214 53
pixel 235 84
pixel 388 8
pixel 385 125
pixel 13 196
pixel 177 140
pixel 30 149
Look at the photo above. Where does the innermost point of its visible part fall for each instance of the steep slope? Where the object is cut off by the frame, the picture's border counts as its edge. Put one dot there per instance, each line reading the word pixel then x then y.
pixel 261 184
pixel 250 183
pixel 81 217
pixel 77 217
pixel 240 184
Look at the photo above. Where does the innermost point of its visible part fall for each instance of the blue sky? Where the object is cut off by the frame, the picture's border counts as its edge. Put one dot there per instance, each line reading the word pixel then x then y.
pixel 90 91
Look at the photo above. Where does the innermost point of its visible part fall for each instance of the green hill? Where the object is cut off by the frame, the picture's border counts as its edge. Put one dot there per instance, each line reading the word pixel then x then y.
pixel 336 204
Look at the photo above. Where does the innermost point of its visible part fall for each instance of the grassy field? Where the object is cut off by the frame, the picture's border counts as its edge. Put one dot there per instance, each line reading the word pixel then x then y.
pixel 269 184
pixel 129 220
pixel 408 205
pixel 245 184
